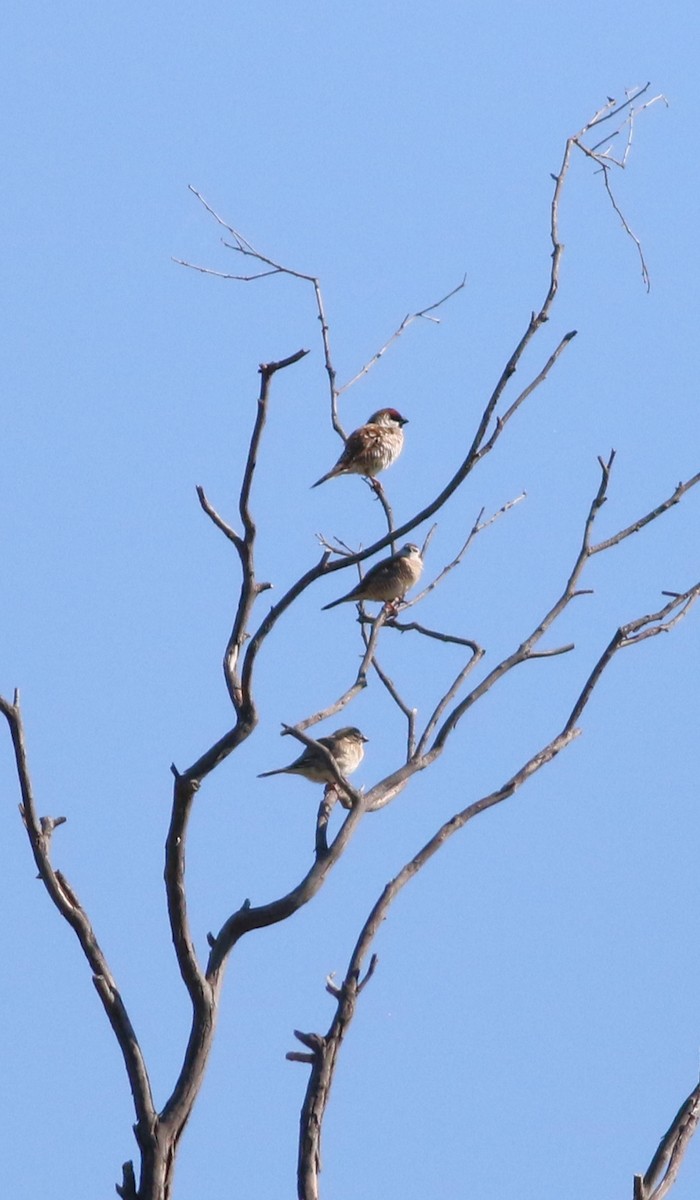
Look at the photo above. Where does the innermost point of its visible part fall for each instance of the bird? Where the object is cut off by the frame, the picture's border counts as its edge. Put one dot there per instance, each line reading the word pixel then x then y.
pixel 347 746
pixel 371 448
pixel 389 579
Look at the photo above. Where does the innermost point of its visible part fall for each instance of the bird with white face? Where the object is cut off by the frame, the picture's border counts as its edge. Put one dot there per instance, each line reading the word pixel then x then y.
pixel 371 448
pixel 388 580
pixel 346 745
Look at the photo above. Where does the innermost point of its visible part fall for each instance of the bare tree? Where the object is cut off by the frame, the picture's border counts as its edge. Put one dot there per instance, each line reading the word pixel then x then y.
pixel 158 1130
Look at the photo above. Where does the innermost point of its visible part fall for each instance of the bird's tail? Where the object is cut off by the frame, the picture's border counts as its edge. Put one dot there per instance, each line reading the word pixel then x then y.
pixel 328 475
pixel 334 602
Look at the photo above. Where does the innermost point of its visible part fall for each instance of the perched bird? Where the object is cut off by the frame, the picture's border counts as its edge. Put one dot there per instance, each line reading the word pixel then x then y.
pixel 371 448
pixel 347 745
pixel 389 579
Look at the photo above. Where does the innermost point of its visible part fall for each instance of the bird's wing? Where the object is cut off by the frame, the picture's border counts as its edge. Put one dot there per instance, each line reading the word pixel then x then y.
pixel 377 574
pixel 359 443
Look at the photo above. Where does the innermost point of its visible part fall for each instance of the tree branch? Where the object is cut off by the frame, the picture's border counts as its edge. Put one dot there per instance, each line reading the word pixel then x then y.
pixel 674 498
pixel 324 1061
pixel 204 992
pixel 605 160
pixel 250 917
pixel 65 900
pixel 408 320
pixel 665 1165
pixel 326 1048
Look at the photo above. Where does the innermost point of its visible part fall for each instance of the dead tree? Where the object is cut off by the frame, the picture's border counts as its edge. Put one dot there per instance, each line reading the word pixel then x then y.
pixel 158 1128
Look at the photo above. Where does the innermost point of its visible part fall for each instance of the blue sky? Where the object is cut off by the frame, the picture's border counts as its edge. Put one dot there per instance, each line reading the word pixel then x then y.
pixel 532 1025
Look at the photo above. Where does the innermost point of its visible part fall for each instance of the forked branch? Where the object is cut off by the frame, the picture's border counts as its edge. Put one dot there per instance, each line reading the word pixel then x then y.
pixel 326 1048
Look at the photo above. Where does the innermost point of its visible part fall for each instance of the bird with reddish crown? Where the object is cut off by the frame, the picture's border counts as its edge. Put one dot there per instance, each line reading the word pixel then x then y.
pixel 347 747
pixel 371 448
pixel 388 580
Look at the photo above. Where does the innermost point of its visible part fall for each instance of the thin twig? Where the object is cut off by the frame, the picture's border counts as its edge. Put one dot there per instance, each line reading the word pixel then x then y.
pixel 375 486
pixel 476 529
pixel 227 530
pixel 525 650
pixel 673 499
pixel 606 161
pixel 241 245
pixel 408 320
pixel 182 262
pixel 408 626
pixel 449 696
pixel 356 687
pixel 503 420
pixel 409 713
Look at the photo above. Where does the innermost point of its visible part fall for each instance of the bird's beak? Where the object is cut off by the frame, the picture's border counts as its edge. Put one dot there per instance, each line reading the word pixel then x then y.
pixel 404 420
pixel 364 739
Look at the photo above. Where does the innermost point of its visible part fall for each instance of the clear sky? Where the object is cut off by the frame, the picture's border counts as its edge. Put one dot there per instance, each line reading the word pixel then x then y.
pixel 533 1024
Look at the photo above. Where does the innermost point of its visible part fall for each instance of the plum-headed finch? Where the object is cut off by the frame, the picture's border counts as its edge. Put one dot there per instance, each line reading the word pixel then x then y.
pixel 371 448
pixel 347 746
pixel 389 579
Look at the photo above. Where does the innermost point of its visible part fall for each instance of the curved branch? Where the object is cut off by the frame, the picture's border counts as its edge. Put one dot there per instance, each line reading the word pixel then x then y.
pixel 665 1165
pixel 65 900
pixel 248 918
pixel 250 590
pixel 184 791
